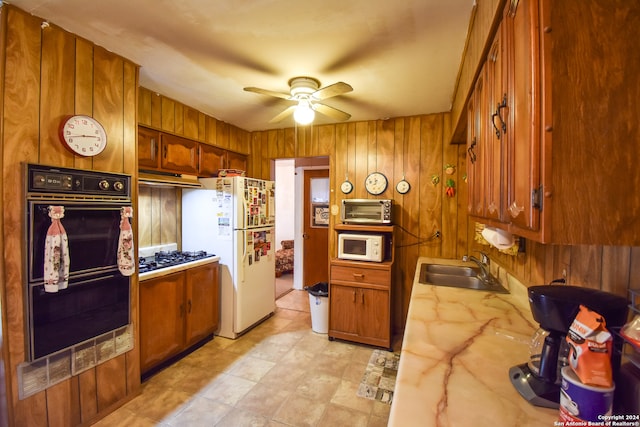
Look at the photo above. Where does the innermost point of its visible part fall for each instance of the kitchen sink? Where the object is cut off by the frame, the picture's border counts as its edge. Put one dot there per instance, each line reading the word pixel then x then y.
pixel 458 277
pixel 454 270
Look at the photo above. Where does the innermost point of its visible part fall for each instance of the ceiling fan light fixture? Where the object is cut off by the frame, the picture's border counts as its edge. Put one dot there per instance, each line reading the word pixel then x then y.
pixel 304 114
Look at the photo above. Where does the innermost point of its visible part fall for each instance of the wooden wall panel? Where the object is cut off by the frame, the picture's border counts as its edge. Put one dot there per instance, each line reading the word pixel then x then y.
pixel 57 100
pixel 20 143
pixel 191 123
pixel 168 114
pixel 144 106
pixel 108 104
pixel 63 404
pixel 84 77
pixel 89 395
pixel 113 385
pixel 48 74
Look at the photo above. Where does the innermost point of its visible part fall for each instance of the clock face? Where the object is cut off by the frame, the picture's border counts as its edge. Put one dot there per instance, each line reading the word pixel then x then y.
pixel 83 135
pixel 346 187
pixel 403 187
pixel 376 183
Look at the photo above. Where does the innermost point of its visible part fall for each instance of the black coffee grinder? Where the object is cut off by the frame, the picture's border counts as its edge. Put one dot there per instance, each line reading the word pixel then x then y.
pixel 554 307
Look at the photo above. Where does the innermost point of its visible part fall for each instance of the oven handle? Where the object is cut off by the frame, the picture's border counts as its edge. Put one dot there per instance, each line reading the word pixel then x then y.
pixel 84 281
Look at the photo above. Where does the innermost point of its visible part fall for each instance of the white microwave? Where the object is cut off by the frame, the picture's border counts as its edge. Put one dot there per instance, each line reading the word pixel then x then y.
pixel 361 247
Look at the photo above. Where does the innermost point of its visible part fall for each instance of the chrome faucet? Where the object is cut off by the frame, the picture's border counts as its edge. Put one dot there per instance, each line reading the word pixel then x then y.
pixel 483 263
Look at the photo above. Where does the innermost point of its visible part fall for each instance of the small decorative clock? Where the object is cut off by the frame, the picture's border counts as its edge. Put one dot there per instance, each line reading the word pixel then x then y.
pixel 376 183
pixel 403 186
pixel 346 187
pixel 83 135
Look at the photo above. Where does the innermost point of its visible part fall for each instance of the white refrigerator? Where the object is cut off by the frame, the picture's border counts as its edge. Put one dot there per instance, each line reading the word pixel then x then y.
pixel 234 217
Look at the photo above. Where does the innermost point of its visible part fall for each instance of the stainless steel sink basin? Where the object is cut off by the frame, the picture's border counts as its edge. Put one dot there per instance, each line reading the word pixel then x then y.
pixel 455 270
pixel 458 277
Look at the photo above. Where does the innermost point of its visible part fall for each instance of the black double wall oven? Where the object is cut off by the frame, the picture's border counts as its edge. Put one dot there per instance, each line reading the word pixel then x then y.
pixel 96 299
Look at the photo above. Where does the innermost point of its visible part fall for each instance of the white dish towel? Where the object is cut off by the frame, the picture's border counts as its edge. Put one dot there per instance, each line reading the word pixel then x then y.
pixel 126 263
pixel 56 253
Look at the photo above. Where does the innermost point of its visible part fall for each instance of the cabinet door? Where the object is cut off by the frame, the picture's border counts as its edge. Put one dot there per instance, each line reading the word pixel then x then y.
pixel 161 319
pixel 523 139
pixel 476 145
pixel 179 154
pixel 342 309
pixel 236 161
pixel 210 160
pixel 495 129
pixel 148 147
pixel 373 312
pixel 201 302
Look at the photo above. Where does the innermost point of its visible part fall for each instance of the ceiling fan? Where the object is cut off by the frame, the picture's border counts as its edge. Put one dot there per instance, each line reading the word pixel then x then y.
pixel 306 92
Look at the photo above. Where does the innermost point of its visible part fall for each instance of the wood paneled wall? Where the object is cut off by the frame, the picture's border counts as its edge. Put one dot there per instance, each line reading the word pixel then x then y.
pixel 159 215
pixel 412 147
pixel 417 147
pixel 46 74
pixel 165 114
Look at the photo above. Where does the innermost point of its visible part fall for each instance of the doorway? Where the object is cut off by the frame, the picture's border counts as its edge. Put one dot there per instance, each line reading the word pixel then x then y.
pixel 290 217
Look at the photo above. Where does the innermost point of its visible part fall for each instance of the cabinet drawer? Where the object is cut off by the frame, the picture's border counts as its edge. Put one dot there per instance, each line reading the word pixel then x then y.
pixel 360 274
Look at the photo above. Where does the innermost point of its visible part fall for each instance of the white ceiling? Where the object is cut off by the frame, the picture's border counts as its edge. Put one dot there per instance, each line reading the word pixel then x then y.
pixel 401 57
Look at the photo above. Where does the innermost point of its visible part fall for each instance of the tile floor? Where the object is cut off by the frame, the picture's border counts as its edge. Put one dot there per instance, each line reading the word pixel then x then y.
pixel 280 373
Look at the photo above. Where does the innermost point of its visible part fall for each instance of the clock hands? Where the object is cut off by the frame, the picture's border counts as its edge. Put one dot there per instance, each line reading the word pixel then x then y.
pixel 84 136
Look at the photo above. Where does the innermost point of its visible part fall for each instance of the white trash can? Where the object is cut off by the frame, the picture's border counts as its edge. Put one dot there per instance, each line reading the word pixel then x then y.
pixel 319 305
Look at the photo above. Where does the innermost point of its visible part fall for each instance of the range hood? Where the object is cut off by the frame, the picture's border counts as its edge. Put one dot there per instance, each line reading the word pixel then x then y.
pixel 165 179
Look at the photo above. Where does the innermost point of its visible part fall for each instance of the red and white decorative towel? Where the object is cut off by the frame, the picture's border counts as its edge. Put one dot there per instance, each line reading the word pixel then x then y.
pixel 56 253
pixel 126 263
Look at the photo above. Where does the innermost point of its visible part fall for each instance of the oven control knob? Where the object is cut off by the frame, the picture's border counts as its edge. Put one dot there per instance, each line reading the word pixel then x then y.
pixel 104 184
pixel 38 180
pixel 118 185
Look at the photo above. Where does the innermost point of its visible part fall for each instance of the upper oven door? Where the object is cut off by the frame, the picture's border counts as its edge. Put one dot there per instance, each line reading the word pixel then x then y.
pixel 92 231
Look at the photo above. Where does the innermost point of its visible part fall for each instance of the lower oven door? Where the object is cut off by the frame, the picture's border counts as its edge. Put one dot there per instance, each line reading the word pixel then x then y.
pixel 84 310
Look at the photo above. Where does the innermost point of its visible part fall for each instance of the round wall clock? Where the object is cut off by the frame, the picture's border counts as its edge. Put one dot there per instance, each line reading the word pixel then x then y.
pixel 346 187
pixel 403 187
pixel 376 183
pixel 83 135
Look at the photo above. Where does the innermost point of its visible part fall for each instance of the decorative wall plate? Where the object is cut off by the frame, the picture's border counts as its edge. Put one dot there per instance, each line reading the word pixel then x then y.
pixel 403 187
pixel 346 187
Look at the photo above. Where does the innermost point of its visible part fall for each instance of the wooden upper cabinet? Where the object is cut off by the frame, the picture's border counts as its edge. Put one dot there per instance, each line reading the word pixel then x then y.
pixel 570 143
pixel 236 161
pixel 171 153
pixel 148 148
pixel 476 142
pixel 178 154
pixel 520 29
pixel 211 159
pixel 496 87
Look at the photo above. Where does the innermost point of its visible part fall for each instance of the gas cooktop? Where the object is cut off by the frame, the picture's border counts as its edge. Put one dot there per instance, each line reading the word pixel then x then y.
pixel 169 259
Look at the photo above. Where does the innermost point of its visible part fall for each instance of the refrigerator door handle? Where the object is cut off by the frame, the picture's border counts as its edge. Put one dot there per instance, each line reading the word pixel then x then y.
pixel 244 257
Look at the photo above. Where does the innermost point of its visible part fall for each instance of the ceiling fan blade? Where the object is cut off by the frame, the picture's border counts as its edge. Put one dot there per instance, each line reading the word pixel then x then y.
pixel 334 113
pixel 268 92
pixel 332 90
pixel 283 115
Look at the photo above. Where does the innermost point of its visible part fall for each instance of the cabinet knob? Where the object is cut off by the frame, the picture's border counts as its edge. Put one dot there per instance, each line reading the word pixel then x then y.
pixel 548 128
pixel 547 29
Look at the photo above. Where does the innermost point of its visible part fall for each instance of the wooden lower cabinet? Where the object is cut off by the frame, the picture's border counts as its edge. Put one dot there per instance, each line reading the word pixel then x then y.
pixel 177 311
pixel 360 302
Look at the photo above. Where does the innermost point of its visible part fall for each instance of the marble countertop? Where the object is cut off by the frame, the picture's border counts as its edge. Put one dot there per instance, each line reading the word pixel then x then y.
pixel 457 349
